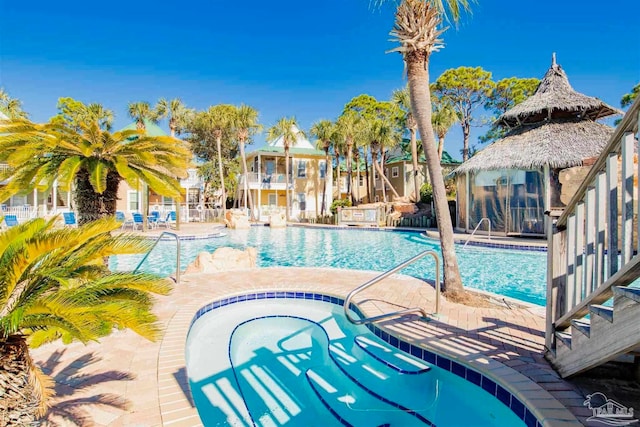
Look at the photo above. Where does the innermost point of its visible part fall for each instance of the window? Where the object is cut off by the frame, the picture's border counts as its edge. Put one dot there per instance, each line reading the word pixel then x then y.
pixel 394 172
pixel 132 201
pixel 167 201
pixel 323 169
pixel 302 169
pixel 361 181
pixel 273 200
pixel 302 200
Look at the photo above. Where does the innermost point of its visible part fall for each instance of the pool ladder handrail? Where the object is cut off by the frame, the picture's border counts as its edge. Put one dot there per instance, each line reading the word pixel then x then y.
pixel 476 229
pixel 377 279
pixel 175 236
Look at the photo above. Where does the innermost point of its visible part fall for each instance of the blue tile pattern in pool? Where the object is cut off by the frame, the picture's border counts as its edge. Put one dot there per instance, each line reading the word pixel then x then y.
pixel 462 371
pixel 513 273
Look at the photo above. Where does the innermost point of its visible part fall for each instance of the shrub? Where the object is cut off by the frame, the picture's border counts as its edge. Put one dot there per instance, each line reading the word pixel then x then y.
pixel 339 202
pixel 426 193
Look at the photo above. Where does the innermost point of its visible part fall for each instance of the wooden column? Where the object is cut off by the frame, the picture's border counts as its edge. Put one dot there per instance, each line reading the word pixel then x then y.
pixel 612 213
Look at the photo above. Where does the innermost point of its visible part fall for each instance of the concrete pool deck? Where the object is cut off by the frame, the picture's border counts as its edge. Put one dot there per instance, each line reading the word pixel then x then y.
pixel 127 381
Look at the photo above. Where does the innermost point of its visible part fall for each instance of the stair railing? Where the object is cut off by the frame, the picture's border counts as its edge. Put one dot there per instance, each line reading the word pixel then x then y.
pixel 476 229
pixel 591 242
pixel 377 279
pixel 167 233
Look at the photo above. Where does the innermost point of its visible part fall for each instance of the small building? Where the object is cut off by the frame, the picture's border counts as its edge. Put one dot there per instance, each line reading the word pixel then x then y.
pixel 309 177
pixel 513 181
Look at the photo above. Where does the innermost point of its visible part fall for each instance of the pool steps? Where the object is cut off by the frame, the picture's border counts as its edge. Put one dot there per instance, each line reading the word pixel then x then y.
pixel 398 360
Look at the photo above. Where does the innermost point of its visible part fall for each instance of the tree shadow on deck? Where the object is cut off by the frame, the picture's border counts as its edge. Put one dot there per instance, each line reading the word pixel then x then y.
pixel 73 400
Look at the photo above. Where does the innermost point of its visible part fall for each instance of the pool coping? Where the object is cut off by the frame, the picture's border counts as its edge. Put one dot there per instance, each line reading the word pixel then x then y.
pixel 548 411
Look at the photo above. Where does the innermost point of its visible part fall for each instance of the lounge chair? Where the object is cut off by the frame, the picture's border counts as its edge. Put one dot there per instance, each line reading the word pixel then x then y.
pixel 153 218
pixel 10 220
pixel 70 219
pixel 138 220
pixel 168 220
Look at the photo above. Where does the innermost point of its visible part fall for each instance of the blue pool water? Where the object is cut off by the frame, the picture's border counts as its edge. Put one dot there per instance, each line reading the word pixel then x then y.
pixel 301 363
pixel 513 273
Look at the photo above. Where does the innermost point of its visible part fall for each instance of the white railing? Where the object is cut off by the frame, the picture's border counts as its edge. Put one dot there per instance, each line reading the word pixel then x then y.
pixel 594 244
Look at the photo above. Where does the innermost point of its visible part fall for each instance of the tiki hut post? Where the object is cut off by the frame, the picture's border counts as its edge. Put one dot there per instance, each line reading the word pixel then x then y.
pixel 513 181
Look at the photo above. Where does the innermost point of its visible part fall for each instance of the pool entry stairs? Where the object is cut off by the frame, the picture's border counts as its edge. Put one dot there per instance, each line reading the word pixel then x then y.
pixel 593 294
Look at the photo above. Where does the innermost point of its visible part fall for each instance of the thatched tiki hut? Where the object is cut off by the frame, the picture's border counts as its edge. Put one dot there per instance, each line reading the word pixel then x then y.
pixel 513 181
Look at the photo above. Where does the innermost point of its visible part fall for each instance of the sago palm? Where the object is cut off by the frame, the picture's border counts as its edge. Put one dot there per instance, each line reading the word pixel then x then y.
pixel 55 286
pixel 287 129
pixel 402 99
pixel 90 160
pixel 325 131
pixel 245 126
pixel 417 29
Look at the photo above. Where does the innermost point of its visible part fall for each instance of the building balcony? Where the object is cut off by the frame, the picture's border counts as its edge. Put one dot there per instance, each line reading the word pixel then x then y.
pixel 263 181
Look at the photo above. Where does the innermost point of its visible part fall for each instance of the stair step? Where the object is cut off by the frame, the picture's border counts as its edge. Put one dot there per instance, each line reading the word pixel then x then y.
pixel 582 325
pixel 394 358
pixel 602 311
pixel 624 291
pixel 565 337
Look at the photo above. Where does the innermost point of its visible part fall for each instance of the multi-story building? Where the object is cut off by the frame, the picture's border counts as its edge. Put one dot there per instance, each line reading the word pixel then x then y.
pixel 309 178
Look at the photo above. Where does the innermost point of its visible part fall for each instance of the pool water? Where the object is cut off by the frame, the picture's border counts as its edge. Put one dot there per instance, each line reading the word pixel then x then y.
pixel 513 273
pixel 301 363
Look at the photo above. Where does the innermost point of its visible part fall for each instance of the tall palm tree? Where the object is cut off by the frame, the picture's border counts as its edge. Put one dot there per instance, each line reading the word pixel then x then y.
pixel 217 121
pixel 417 30
pixel 12 107
pixel 177 113
pixel 103 116
pixel 94 161
pixel 349 127
pixel 443 118
pixel 245 125
pixel 287 129
pixel 383 133
pixel 402 99
pixel 54 286
pixel 325 131
pixel 338 153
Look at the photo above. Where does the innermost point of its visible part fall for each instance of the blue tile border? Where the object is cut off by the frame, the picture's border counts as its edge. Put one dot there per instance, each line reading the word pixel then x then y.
pixel 469 374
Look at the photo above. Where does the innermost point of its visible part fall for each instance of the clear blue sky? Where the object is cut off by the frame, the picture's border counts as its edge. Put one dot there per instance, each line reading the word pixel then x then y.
pixel 292 57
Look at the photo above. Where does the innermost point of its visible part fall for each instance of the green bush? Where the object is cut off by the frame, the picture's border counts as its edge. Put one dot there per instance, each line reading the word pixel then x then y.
pixel 339 202
pixel 426 193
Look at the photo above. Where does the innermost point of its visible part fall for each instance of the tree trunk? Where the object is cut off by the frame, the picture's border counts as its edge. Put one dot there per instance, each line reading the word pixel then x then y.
pixel 91 205
pixel 440 147
pixel 338 174
pixel 414 156
pixel 349 171
pixel 418 77
pixel 466 129
pixel 19 401
pixel 246 179
pixel 386 180
pixel 224 191
pixel 366 172
pixel 286 179
pixel 324 183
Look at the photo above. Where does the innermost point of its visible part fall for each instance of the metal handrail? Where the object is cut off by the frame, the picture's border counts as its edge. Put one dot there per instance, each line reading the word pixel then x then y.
pixel 383 276
pixel 476 229
pixel 168 233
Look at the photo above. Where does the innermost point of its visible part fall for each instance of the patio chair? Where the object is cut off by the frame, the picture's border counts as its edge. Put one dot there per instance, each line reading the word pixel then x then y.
pixel 138 220
pixel 10 220
pixel 154 218
pixel 70 219
pixel 168 220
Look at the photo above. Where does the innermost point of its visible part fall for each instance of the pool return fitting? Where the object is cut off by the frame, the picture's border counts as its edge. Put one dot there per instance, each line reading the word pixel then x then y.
pixel 347 301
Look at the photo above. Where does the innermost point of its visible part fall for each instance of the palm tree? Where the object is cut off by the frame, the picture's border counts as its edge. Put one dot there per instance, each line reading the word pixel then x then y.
pixel 417 29
pixel 217 121
pixel 287 129
pixel 54 286
pixel 103 116
pixel 245 125
pixel 349 127
pixel 402 99
pixel 12 107
pixel 177 113
pixel 443 118
pixel 325 131
pixel 383 133
pixel 94 161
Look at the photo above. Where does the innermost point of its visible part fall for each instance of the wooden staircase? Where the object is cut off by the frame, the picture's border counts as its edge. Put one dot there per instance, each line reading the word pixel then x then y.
pixel 593 314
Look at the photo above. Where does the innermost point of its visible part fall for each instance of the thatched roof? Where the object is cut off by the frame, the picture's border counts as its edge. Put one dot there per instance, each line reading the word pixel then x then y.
pixel 559 144
pixel 555 99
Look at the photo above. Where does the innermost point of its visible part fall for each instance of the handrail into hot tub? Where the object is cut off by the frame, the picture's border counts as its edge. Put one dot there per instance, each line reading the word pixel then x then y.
pixel 383 276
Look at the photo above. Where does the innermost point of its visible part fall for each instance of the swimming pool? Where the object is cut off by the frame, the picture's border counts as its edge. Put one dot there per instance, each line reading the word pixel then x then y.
pixel 513 273
pixel 293 359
